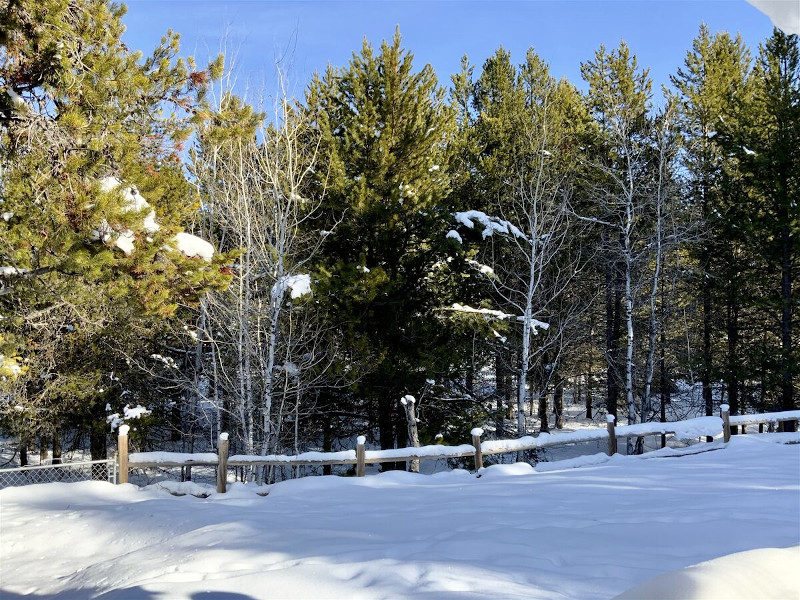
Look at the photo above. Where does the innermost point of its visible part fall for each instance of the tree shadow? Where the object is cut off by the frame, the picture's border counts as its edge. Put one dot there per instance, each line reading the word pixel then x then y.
pixel 209 595
pixel 131 593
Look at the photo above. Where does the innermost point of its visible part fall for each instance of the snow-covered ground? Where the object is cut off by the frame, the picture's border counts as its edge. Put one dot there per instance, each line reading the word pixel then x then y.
pixel 591 527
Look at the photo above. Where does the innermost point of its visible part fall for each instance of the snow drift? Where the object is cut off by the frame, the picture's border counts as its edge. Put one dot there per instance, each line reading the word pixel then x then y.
pixel 588 530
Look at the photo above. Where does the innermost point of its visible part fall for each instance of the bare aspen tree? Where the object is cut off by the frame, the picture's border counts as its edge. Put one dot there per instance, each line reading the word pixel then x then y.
pixel 667 234
pixel 535 266
pixel 619 98
pixel 542 207
pixel 255 176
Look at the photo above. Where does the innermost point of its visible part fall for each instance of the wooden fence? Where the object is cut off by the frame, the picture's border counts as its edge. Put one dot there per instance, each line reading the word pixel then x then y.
pixel 360 457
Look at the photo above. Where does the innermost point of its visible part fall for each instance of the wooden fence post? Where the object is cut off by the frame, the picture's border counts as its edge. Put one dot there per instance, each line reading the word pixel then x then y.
pixel 476 441
pixel 222 464
pixel 122 452
pixel 361 456
pixel 409 405
pixel 725 414
pixel 612 435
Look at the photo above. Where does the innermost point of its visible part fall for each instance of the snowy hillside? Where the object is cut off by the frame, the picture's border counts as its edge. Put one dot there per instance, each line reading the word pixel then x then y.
pixel 591 529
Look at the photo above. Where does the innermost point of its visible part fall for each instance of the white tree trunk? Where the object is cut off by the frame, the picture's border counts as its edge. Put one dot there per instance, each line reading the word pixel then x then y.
pixel 662 187
pixel 628 227
pixel 629 353
pixel 526 343
pixel 654 324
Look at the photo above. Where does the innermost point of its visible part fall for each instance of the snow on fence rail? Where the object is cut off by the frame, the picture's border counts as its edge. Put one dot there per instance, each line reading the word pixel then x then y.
pixel 764 418
pixel 360 457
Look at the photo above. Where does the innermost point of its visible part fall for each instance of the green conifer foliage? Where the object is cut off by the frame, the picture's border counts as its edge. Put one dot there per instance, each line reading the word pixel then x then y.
pixel 768 149
pixel 713 87
pixel 87 130
pixel 385 133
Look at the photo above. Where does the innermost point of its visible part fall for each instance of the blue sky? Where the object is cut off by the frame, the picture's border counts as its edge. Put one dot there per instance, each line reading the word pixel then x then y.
pixel 311 34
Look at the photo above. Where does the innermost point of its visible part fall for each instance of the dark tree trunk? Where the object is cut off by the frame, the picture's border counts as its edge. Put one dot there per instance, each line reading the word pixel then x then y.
pixel 764 392
pixel 543 416
pixel 787 365
pixel 176 423
pixel 733 356
pixel 508 394
pixel 23 450
pixel 327 439
pixel 500 392
pixel 400 433
pixel 57 447
pixel 589 394
pixel 708 398
pixel 386 428
pixel 558 405
pixel 97 442
pixel 43 444
pixel 98 431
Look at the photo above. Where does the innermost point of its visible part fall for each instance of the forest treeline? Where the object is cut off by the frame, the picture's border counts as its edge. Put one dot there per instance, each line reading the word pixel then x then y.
pixel 485 244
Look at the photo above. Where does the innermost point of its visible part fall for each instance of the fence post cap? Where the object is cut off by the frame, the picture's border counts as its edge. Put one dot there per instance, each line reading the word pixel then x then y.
pixel 724 407
pixel 610 418
pixel 477 431
pixel 361 440
pixel 223 437
pixel 124 429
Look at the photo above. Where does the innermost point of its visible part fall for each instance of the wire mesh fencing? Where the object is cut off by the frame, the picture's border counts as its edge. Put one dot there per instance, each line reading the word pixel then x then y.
pixel 144 476
pixel 94 470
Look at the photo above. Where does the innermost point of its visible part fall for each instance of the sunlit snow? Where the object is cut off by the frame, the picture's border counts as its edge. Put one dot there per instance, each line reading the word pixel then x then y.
pixel 580 529
pixel 298 285
pixel 191 246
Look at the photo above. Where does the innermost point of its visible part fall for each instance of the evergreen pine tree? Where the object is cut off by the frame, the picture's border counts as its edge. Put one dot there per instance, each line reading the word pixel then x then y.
pixel 768 150
pixel 711 86
pixel 385 133
pixel 88 130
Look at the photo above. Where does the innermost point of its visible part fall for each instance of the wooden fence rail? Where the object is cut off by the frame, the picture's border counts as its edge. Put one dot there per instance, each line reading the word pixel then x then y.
pixel 360 457
pixel 779 418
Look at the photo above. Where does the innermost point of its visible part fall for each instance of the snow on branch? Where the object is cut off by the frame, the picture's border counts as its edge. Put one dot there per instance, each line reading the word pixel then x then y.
pixel 135 412
pixel 490 224
pixel 191 246
pixel 407 399
pixel 132 201
pixel 298 285
pixel 187 244
pixel 485 269
pixel 6 271
pixel 454 235
pixel 498 314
